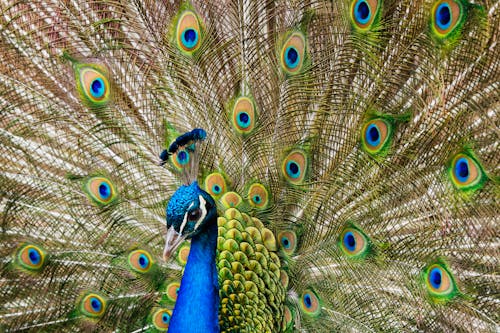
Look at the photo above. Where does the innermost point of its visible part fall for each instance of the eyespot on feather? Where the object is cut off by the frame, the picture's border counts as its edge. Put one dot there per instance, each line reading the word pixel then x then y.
pixel 31 257
pixel 258 196
pixel 215 185
pixel 446 16
pixel 93 305
pixel 310 303
pixel 161 319
pixel 231 200
pixel 171 291
pixel 292 53
pixel 288 241
pixel 354 243
pixel 439 281
pixel 364 13
pixel 93 84
pixel 140 261
pixel 183 253
pixel 188 32
pixel 466 172
pixel 375 136
pixel 100 190
pixel 243 115
pixel 294 167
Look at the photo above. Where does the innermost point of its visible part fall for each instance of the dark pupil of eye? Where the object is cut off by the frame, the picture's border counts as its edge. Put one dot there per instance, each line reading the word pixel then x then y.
pixel 34 257
pixel 292 55
pixel 294 168
pixel 286 242
pixel 363 10
pixel 190 35
pixel 307 301
pixel 103 190
pixel 182 156
pixel 96 86
pixel 436 278
pixel 257 198
pixel 165 318
pixel 194 215
pixel 351 242
pixel 142 261
pixel 463 170
pixel 95 304
pixel 216 188
pixel 244 117
pixel 444 15
pixel 373 133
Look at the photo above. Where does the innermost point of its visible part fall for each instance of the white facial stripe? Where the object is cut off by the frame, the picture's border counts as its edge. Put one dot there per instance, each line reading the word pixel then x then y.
pixel 184 221
pixel 203 212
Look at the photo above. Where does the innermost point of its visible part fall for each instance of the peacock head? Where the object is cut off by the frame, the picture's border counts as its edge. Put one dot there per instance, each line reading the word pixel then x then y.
pixel 189 212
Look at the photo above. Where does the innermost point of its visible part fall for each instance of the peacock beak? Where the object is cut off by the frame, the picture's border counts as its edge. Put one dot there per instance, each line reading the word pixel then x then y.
pixel 172 241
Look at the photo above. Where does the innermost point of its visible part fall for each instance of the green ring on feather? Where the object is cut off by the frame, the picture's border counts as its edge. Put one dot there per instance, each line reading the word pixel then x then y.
pixel 30 257
pixel 100 190
pixel 93 305
pixel 376 135
pixel 466 173
pixel 140 261
pixel 439 281
pixel 92 84
pixel 310 303
pixel 355 243
pixel 447 19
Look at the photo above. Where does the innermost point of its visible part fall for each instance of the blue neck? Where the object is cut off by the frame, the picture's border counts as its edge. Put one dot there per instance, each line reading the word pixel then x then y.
pixel 196 309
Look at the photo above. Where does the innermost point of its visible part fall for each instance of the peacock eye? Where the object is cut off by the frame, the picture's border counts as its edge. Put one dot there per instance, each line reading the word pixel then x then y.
pixel 194 215
pixel 447 15
pixel 188 32
pixel 293 52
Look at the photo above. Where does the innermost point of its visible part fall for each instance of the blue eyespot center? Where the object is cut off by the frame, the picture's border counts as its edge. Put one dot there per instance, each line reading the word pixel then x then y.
pixel 285 242
pixel 165 318
pixel 292 57
pixel 182 157
pixel 435 278
pixel 104 191
pixel 443 16
pixel 95 304
pixel 34 256
pixel 216 189
pixel 243 119
pixel 350 241
pixel 307 301
pixel 362 12
pixel 373 135
pixel 293 169
pixel 97 88
pixel 462 169
pixel 256 199
pixel 189 38
pixel 143 261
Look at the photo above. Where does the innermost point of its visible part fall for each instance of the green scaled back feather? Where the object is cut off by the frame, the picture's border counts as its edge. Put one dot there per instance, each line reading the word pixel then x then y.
pixel 351 149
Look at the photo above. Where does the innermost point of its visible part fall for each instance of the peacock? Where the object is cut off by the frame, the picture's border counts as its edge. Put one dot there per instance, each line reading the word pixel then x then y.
pixel 249 166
